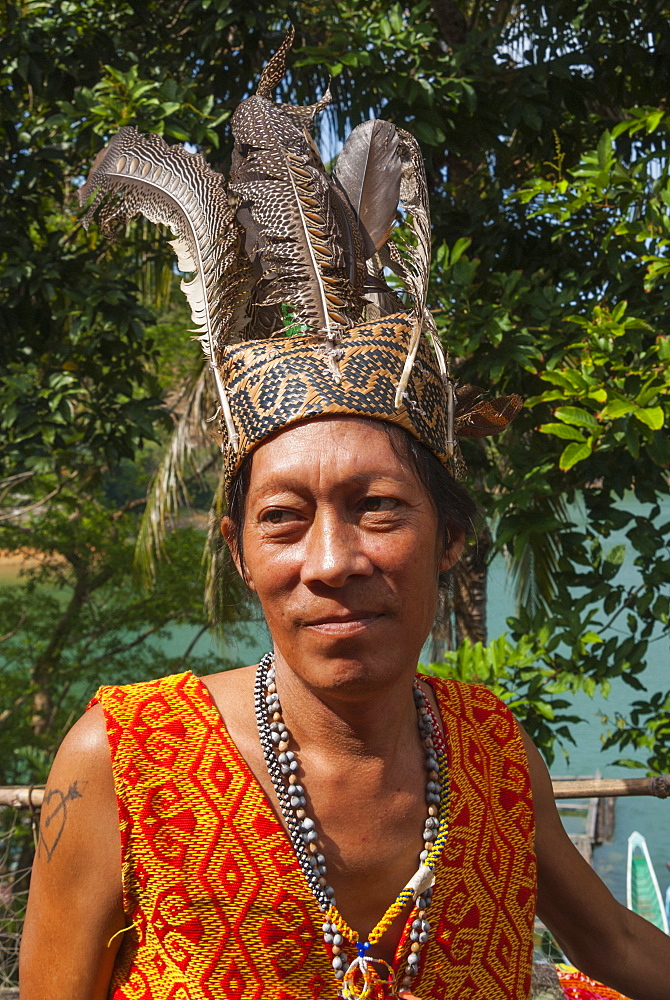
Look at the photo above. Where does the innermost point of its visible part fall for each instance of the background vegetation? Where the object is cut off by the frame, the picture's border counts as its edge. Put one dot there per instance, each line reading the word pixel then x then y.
pixel 545 131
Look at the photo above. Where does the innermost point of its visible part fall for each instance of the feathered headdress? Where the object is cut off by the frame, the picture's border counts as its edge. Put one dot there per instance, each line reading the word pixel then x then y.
pixel 288 292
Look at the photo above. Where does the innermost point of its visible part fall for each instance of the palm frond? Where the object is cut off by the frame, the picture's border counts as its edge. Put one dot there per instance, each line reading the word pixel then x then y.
pixel 534 554
pixel 167 491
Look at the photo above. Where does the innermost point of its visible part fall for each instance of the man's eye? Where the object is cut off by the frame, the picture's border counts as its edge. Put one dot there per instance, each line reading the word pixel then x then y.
pixel 375 504
pixel 278 515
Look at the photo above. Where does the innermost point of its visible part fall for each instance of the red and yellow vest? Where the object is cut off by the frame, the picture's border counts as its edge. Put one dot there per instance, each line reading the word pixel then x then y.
pixel 220 908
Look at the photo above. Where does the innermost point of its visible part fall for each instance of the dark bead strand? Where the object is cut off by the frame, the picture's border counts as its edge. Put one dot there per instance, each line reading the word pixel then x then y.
pixel 274 770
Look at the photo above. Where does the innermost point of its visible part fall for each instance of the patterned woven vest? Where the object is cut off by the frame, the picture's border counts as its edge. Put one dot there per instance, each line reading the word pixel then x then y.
pixel 220 908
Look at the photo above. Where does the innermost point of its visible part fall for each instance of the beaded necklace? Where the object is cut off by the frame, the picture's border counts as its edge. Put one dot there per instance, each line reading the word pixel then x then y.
pixel 359 976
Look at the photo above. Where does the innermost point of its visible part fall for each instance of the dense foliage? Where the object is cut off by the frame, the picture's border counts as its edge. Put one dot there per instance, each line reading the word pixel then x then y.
pixel 545 137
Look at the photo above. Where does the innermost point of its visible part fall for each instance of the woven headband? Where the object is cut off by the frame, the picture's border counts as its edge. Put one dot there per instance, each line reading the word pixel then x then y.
pixel 290 295
pixel 273 384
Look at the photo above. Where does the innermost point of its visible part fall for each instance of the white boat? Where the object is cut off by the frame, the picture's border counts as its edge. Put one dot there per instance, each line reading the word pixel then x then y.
pixel 643 894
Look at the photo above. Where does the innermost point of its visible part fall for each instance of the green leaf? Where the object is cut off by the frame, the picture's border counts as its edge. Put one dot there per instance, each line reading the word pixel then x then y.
pixel 616 555
pixel 459 248
pixel 617 408
pixel 577 416
pixel 170 107
pixel 589 686
pixel 568 379
pixel 177 132
pixel 592 638
pixel 575 453
pixel 653 417
pixel 395 18
pixel 563 431
pixel 653 120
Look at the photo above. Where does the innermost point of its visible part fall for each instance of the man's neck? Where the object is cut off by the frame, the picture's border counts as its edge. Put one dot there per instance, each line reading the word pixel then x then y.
pixel 350 731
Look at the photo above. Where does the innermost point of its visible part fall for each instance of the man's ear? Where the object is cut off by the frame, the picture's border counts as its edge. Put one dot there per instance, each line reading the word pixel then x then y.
pixel 453 551
pixel 229 533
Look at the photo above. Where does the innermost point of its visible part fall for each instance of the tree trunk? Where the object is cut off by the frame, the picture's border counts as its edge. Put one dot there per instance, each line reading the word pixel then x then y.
pixel 42 672
pixel 462 608
pixel 469 589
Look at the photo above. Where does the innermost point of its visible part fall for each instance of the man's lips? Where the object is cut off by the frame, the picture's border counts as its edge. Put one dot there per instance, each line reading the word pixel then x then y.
pixel 343 623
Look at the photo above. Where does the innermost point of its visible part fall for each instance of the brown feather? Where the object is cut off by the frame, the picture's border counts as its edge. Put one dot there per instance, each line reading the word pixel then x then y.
pixel 412 263
pixel 368 170
pixel 488 416
pixel 275 68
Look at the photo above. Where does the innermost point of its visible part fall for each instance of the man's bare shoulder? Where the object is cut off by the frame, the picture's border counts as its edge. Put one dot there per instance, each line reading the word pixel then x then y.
pixel 232 691
pixel 85 745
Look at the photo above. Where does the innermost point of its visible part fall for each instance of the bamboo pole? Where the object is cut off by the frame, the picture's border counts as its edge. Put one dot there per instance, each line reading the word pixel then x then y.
pixel 32 796
pixel 22 796
pixel 588 788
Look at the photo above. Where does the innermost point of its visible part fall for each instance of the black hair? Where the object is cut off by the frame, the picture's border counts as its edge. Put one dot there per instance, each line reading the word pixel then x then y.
pixel 456 510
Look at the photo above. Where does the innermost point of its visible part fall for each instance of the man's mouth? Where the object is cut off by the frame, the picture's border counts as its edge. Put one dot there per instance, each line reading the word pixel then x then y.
pixel 343 623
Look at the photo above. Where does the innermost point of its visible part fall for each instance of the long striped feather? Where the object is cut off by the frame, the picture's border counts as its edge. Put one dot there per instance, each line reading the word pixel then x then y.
pixel 179 189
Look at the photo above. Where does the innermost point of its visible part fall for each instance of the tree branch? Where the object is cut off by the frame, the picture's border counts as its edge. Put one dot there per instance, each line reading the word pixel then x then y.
pixel 626 604
pixel 8 635
pixel 37 503
pixel 128 506
pixel 7 484
pixel 117 650
pixel 5 714
pixel 194 642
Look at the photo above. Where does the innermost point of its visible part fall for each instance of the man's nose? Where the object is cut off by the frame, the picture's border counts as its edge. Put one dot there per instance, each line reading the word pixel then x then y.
pixel 334 552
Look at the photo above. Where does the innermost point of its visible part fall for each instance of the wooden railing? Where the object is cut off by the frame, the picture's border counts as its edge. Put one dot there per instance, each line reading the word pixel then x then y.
pixel 31 796
pixel 597 788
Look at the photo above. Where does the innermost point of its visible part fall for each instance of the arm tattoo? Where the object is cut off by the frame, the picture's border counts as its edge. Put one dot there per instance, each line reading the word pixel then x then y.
pixel 54 814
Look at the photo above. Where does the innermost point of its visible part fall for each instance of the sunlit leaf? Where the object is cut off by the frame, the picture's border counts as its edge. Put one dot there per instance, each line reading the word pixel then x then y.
pixel 574 453
pixel 652 417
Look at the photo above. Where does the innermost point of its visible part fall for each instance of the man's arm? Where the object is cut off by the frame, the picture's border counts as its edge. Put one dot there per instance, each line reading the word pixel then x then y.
pixel 75 901
pixel 601 937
